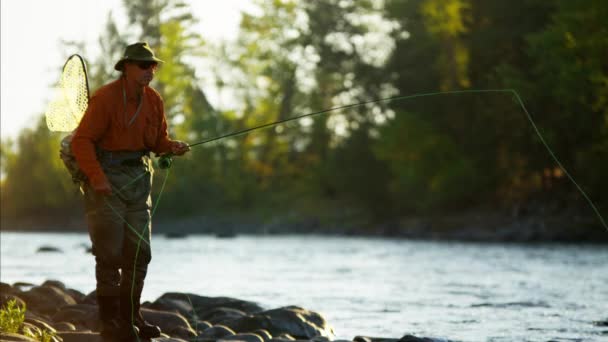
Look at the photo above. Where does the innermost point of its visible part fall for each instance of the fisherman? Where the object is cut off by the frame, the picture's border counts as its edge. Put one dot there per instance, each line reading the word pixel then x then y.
pixel 123 123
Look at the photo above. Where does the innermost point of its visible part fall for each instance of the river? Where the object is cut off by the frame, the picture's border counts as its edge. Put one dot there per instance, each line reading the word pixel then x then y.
pixel 363 286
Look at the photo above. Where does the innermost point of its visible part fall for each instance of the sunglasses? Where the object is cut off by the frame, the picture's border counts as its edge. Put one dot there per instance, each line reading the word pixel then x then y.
pixel 145 65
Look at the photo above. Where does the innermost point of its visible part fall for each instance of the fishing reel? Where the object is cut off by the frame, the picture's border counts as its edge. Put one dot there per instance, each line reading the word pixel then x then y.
pixel 165 161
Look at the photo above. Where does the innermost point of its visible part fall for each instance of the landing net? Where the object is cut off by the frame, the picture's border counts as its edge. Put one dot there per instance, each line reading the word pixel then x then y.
pixel 71 97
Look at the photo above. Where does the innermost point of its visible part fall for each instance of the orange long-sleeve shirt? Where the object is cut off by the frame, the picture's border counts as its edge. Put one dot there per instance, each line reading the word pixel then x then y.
pixel 105 124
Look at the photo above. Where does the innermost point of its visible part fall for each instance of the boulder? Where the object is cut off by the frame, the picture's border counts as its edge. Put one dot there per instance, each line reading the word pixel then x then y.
pixel 80 336
pixel 405 338
pixel 46 299
pixel 5 298
pixel 48 249
pixel 23 286
pixel 601 323
pixel 412 338
pixel 6 289
pixel 375 339
pixel 220 315
pixel 15 337
pixel 82 316
pixel 202 304
pixel 77 295
pixel 64 326
pixel 170 323
pixel 200 326
pixel 245 337
pixel 216 332
pixel 295 321
pixel 90 299
pixel 55 283
pixel 183 307
pixel 264 334
pixel 40 324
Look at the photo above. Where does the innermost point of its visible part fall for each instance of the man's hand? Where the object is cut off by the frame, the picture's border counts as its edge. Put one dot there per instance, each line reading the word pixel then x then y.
pixel 178 148
pixel 104 187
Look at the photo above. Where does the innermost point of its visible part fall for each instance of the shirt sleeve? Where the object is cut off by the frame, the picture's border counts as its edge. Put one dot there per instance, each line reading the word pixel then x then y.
pixel 93 125
pixel 163 142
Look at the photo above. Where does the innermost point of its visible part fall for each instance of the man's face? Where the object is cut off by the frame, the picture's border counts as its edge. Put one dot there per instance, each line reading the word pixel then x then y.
pixel 141 71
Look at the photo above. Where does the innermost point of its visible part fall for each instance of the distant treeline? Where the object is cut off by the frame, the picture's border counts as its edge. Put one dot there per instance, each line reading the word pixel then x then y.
pixel 381 161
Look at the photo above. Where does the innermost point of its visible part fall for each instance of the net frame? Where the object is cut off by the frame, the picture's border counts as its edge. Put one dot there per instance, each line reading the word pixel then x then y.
pixel 66 109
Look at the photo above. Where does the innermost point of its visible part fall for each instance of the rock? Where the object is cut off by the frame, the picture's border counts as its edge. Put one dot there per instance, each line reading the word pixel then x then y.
pixel 6 289
pixel 200 326
pixel 80 336
pixel 90 299
pixel 202 304
pixel 220 315
pixel 405 338
pixel 295 321
pixel 264 334
pixel 48 249
pixel 411 338
pixel 183 332
pixel 246 337
pixel 77 295
pixel 601 323
pixel 5 298
pixel 182 307
pixel 374 339
pixel 216 332
pixel 46 299
pixel 285 337
pixel 64 326
pixel 170 323
pixel 22 286
pixel 55 283
pixel 320 339
pixel 34 316
pixel 40 324
pixel 15 337
pixel 80 315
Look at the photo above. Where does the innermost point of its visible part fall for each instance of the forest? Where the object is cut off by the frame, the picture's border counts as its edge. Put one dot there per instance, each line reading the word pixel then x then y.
pixel 464 148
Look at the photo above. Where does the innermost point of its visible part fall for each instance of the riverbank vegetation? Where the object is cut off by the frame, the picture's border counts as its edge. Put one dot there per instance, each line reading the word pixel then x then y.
pixel 433 156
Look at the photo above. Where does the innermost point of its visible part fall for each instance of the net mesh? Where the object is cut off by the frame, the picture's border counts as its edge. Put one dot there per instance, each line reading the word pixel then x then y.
pixel 70 99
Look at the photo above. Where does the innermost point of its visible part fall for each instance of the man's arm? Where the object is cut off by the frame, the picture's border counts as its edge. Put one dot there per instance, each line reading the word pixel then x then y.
pixel 166 145
pixel 93 125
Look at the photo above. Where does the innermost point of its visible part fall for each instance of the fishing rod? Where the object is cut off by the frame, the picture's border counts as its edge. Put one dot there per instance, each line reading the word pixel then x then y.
pixel 165 161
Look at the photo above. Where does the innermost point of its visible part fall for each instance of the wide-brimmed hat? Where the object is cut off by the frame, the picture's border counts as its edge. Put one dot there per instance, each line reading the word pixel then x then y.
pixel 137 52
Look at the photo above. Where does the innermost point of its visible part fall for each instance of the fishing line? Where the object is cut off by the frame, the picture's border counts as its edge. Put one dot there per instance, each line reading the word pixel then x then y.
pixel 166 162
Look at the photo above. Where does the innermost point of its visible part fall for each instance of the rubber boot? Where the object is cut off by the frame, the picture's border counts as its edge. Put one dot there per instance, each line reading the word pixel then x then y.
pixel 131 312
pixel 113 326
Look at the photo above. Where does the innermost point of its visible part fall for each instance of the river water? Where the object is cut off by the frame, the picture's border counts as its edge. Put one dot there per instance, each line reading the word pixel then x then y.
pixel 363 286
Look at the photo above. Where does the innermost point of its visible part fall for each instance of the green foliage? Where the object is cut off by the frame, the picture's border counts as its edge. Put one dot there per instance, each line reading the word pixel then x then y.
pixel 381 160
pixel 12 317
pixel 428 170
pixel 37 169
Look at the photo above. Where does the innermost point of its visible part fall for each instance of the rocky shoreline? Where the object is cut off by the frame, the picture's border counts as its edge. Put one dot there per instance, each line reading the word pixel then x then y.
pixel 473 226
pixel 67 315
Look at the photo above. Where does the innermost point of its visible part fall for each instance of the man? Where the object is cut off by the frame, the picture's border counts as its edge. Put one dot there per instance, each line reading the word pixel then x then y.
pixel 124 122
